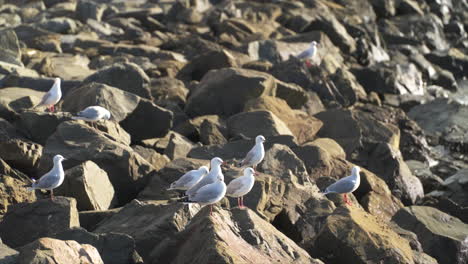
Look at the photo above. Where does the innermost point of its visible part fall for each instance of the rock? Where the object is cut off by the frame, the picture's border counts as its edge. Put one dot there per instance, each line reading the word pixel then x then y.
pixel 10 50
pixel 191 128
pixel 178 147
pixel 211 133
pixel 167 88
pixel 391 77
pixel 203 63
pixel 61 25
pixel 13 100
pixel 8 255
pixel 384 8
pixel 246 124
pixel 452 60
pixel 236 236
pixel 303 127
pixel 126 108
pixel 45 218
pixel 225 91
pixel 40 125
pixel 429 180
pixel 293 94
pixel 170 219
pixel 362 238
pixel 12 188
pixel 349 91
pixel 66 67
pixel 455 187
pixel 90 186
pixel 442 119
pixel 158 161
pixel 319 153
pixel 36 83
pixel 21 154
pixel 90 219
pixel 48 249
pixel 441 235
pixel 281 161
pixel 447 206
pixel 127 170
pixel 37 38
pixel 114 248
pixel 128 77
pixel 89 10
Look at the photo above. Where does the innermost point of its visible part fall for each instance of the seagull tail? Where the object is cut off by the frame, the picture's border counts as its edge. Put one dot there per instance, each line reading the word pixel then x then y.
pixel 76 118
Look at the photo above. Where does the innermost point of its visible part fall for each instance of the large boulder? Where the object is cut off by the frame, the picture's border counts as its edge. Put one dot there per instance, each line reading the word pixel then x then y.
pixel 239 236
pixel 12 187
pixel 90 186
pixel 8 255
pixel 44 218
pixel 38 126
pixel 13 100
pixel 441 235
pixel 359 238
pixel 126 76
pixel 115 248
pixel 131 111
pixel 126 169
pixel 226 91
pixel 49 250
pixel 21 154
pixel 303 126
pixel 10 50
pixel 149 223
pixel 247 124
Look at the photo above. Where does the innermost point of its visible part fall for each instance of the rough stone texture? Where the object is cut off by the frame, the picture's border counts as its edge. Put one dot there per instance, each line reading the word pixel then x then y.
pixel 239 236
pixel 149 223
pixel 49 250
pixel 8 255
pixel 359 238
pixel 442 236
pixel 113 247
pixel 247 124
pixel 14 99
pixel 225 91
pixel 90 186
pixel 39 219
pixel 126 169
pixel 40 125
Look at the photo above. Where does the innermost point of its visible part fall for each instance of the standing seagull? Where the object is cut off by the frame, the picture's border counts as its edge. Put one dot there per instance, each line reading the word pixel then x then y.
pixel 241 186
pixel 52 179
pixel 309 53
pixel 208 194
pixel 346 185
pixel 214 174
pixel 189 179
pixel 256 154
pixel 93 114
pixel 52 96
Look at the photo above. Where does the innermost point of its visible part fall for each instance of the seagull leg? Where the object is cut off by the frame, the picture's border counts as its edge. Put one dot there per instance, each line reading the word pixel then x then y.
pixel 307 62
pixel 238 202
pixel 53 108
pixel 242 201
pixel 346 199
pixel 52 195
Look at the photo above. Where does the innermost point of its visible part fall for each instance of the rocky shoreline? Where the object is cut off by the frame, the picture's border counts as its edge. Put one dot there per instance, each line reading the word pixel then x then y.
pixel 189 80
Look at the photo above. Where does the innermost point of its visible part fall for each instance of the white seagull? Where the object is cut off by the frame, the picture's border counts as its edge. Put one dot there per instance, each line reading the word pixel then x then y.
pixel 209 194
pixel 214 174
pixel 309 53
pixel 256 154
pixel 52 179
pixel 241 186
pixel 189 179
pixel 346 185
pixel 52 96
pixel 93 114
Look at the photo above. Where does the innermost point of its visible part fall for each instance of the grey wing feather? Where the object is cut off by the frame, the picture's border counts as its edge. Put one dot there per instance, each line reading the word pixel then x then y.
pixel 305 54
pixel 46 181
pixel 344 185
pixel 206 193
pixel 233 186
pixel 44 98
pixel 90 113
pixel 248 158
pixel 198 186
pixel 186 179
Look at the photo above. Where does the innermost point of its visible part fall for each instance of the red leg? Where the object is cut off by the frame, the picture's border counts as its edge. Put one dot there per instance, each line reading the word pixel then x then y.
pixel 346 199
pixel 242 201
pixel 53 108
pixel 307 62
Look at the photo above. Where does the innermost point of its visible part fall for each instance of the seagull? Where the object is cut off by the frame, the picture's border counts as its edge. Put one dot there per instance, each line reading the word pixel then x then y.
pixel 93 114
pixel 214 174
pixel 346 185
pixel 256 154
pixel 241 186
pixel 52 96
pixel 189 179
pixel 208 194
pixel 309 53
pixel 52 179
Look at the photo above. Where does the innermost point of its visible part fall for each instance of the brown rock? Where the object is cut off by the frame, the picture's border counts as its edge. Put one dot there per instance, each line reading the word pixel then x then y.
pixel 247 124
pixel 158 161
pixel 44 217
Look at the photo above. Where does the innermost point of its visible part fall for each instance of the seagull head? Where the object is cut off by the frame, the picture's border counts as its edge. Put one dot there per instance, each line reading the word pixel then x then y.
pixel 216 162
pixel 314 44
pixel 260 139
pixel 58 158
pixel 355 170
pixel 204 169
pixel 107 116
pixel 249 172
